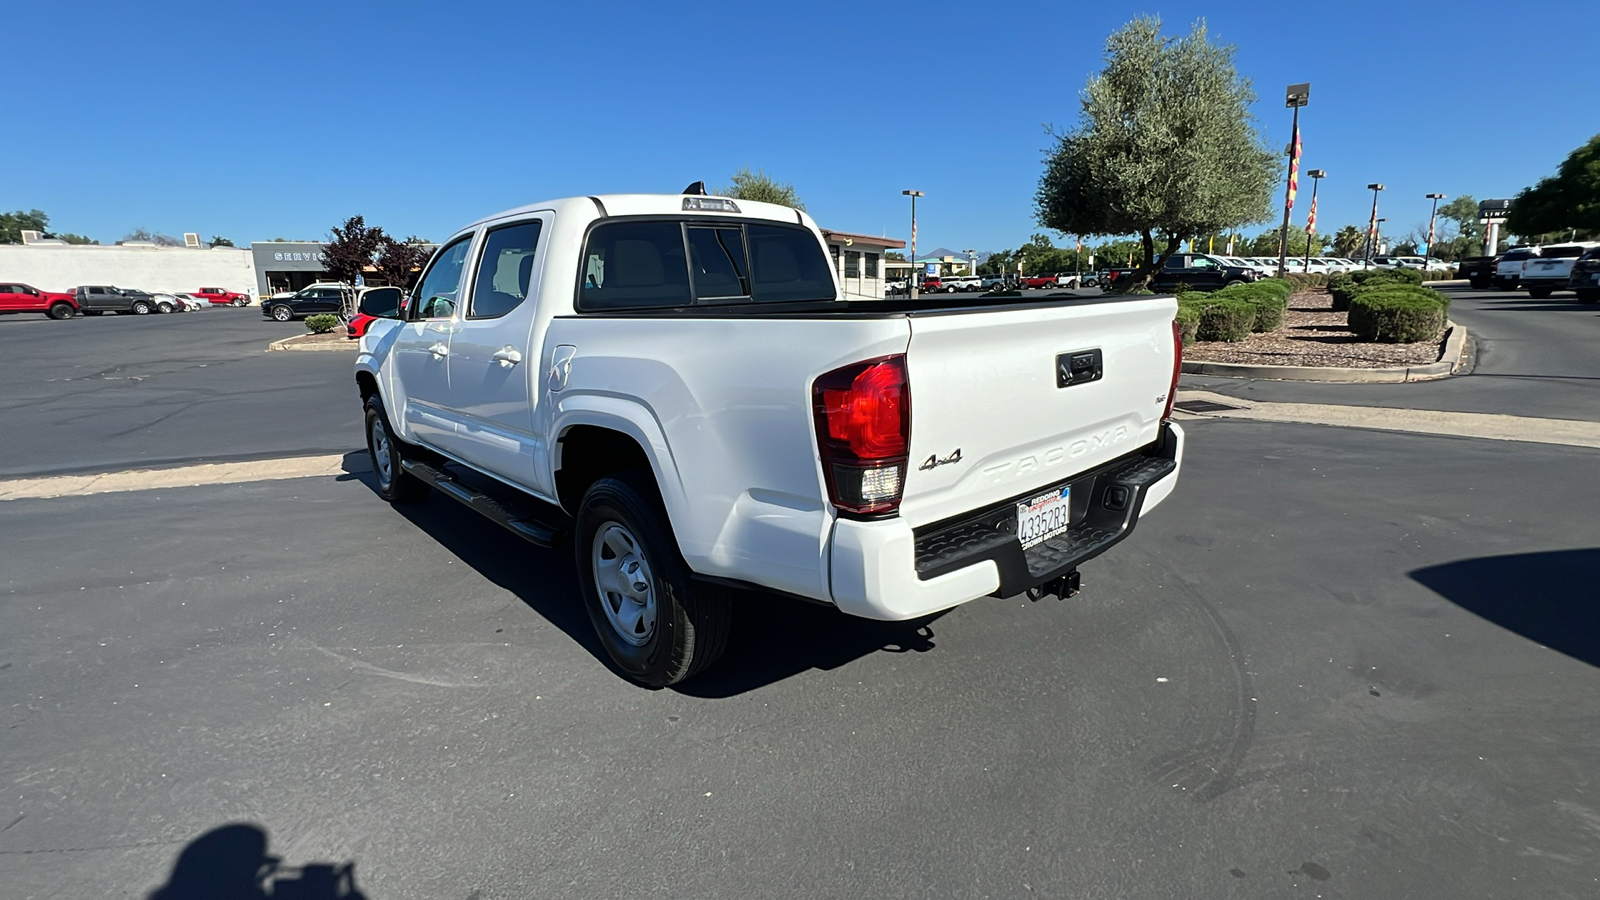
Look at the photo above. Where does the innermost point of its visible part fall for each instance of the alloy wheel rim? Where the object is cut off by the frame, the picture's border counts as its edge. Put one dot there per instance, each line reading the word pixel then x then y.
pixel 623 581
pixel 380 453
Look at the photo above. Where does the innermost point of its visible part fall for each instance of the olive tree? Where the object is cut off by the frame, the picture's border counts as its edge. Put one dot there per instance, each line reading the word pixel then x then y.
pixel 1165 147
pixel 762 188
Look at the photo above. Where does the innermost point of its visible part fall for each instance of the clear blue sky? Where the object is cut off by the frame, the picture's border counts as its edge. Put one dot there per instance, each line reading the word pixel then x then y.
pixel 277 120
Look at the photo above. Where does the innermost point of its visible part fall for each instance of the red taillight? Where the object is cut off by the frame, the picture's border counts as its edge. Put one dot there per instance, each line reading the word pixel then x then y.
pixel 863 420
pixel 1177 368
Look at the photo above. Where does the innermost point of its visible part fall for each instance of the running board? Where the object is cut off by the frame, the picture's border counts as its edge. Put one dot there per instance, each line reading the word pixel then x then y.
pixel 523 523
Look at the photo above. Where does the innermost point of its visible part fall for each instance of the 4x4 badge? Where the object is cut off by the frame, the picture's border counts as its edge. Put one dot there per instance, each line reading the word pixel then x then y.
pixel 934 462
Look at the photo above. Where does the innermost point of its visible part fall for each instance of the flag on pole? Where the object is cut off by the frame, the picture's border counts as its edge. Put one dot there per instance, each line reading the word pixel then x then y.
pixel 1311 220
pixel 1294 169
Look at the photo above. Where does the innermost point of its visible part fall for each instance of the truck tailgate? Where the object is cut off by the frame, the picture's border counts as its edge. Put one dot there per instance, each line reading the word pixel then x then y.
pixel 991 417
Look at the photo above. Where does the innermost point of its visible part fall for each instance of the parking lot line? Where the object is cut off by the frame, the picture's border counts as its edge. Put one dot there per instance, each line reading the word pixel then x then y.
pixel 182 476
pixel 1567 432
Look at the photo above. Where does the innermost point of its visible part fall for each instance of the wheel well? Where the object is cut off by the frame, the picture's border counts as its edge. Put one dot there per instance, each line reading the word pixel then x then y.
pixel 367 384
pixel 589 453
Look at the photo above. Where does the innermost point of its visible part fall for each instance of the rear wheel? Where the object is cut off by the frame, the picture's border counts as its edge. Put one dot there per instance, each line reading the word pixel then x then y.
pixel 1588 295
pixel 61 311
pixel 394 485
pixel 282 313
pixel 1539 293
pixel 141 308
pixel 656 625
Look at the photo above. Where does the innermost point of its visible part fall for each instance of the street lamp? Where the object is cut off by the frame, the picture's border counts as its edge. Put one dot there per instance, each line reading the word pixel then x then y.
pixel 1432 217
pixel 1372 229
pixel 1311 222
pixel 911 280
pixel 1377 233
pixel 972 261
pixel 1296 96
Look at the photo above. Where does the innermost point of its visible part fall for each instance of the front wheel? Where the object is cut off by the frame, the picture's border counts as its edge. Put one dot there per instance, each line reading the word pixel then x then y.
pixel 657 626
pixel 1539 293
pixel 164 307
pixel 282 313
pixel 394 484
pixel 236 303
pixel 140 308
pixel 61 311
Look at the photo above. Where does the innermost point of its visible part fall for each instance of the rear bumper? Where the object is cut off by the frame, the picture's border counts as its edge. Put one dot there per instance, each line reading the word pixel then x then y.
pixel 884 569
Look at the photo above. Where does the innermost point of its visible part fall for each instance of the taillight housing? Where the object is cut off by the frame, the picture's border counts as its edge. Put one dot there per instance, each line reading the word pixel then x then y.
pixel 863 420
pixel 1177 368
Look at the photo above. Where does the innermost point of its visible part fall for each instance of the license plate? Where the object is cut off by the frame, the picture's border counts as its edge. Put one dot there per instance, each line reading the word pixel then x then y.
pixel 1043 517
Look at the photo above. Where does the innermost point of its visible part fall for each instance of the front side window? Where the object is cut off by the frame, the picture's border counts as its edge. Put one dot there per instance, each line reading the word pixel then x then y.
pixel 442 285
pixel 505 270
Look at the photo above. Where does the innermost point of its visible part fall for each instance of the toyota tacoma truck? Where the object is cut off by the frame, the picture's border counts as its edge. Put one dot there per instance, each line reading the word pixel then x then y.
pixel 676 386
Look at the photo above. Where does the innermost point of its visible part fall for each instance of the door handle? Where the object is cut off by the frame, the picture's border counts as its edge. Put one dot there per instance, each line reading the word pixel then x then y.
pixel 507 357
pixel 439 350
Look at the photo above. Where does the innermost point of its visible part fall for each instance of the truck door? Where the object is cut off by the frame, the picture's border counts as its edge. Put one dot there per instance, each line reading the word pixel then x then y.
pixel 11 297
pixel 493 364
pixel 421 352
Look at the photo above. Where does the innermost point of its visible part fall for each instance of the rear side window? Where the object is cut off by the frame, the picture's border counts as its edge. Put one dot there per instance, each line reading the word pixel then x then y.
pixel 787 264
pixel 505 271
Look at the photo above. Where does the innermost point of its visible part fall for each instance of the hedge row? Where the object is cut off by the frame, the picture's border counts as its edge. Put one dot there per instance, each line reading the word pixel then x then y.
pixel 1233 312
pixel 1345 287
pixel 1397 314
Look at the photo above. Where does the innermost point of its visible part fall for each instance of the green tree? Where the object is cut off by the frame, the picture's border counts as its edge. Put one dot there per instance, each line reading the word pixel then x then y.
pixel 758 186
pixel 71 238
pixel 1566 202
pixel 13 224
pixel 1165 147
pixel 894 256
pixel 1348 242
pixel 220 241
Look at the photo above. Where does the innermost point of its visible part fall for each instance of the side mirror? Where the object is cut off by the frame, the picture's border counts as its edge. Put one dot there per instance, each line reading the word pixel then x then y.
pixel 380 304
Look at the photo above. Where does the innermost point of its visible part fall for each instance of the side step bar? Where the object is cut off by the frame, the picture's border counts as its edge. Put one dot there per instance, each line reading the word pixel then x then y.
pixel 523 523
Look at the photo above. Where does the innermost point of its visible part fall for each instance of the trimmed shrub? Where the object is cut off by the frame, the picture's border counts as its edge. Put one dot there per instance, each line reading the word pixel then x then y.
pixel 1393 276
pixel 1395 317
pixel 1270 298
pixel 1225 319
pixel 1188 322
pixel 322 324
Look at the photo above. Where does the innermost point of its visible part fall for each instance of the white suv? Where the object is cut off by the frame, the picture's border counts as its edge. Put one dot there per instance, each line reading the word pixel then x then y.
pixel 1549 272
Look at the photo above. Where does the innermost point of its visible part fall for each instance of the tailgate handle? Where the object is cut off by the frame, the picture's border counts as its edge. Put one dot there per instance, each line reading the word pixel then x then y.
pixel 1078 367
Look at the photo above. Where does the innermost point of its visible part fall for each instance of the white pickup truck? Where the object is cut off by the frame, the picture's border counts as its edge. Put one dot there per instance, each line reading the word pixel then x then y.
pixel 675 384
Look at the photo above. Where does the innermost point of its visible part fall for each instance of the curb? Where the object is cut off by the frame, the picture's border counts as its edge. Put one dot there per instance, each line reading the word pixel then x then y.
pixel 289 344
pixel 1455 343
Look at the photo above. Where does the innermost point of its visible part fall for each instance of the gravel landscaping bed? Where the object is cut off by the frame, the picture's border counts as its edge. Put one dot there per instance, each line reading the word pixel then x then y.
pixel 1313 334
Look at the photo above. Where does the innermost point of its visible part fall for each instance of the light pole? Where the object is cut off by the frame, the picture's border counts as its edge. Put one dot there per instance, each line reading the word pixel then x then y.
pixel 1376 234
pixel 1311 222
pixel 1432 217
pixel 972 261
pixel 1296 96
pixel 912 280
pixel 1372 229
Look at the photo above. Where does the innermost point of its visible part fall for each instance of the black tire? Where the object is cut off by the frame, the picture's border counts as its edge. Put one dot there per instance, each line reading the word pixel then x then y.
pixel 61 311
pixel 690 622
pixel 385 452
pixel 141 308
pixel 1479 284
pixel 281 313
pixel 236 303
pixel 1588 295
pixel 164 307
pixel 1539 293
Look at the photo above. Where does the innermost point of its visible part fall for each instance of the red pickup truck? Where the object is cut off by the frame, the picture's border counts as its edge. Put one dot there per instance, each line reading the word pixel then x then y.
pixel 21 298
pixel 220 297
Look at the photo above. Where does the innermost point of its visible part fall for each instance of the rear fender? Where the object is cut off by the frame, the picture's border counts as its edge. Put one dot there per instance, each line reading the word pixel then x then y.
pixel 635 420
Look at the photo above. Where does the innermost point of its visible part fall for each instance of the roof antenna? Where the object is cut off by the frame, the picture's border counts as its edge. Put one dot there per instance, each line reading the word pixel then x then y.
pixel 699 187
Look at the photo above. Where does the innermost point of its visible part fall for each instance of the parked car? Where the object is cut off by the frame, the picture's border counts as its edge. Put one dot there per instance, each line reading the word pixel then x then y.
pixel 897 286
pixel 222 296
pixel 1037 282
pixel 166 302
pixel 322 297
pixel 930 285
pixel 889 465
pixel 1200 271
pixel 1585 279
pixel 93 300
pixel 963 283
pixel 1478 270
pixel 16 297
pixel 1551 270
pixel 994 282
pixel 1508 271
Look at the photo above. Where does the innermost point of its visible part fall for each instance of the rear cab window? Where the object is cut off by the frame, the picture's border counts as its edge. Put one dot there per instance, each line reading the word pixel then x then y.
pixel 674 263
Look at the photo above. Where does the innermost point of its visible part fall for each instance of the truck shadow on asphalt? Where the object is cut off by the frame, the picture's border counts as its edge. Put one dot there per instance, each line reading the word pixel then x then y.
pixel 1547 597
pixel 232 862
pixel 773 637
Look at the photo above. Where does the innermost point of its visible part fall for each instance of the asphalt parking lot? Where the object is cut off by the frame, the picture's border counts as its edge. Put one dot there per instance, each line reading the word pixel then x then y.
pixel 1336 663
